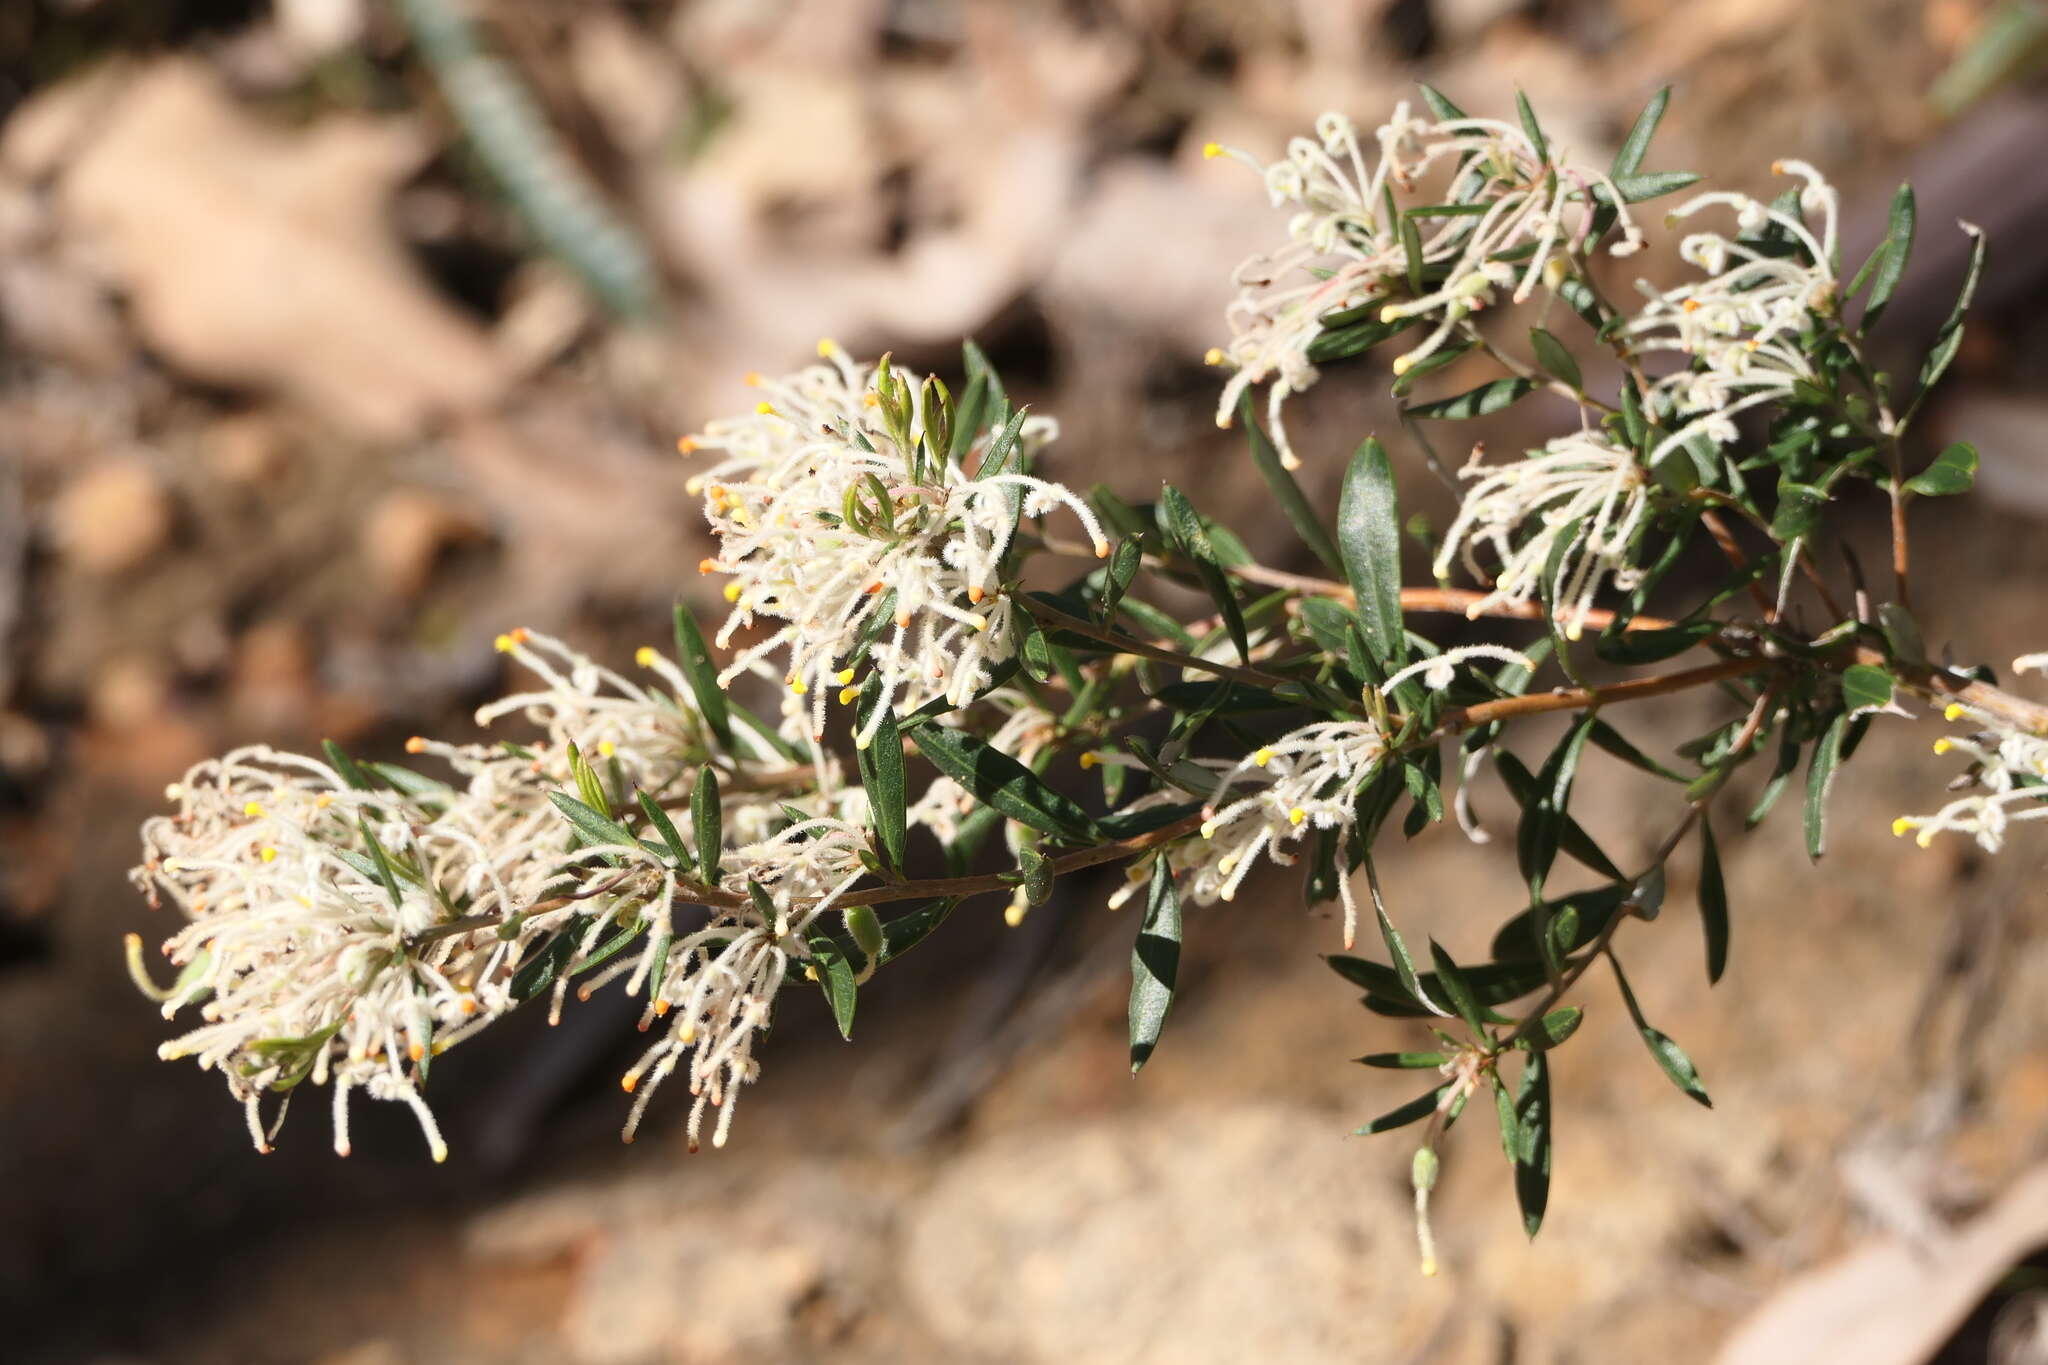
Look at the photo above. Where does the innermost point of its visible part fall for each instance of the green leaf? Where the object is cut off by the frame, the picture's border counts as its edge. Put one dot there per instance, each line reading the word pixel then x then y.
pixel 1397 950
pixel 1555 359
pixel 593 827
pixel 1192 540
pixel 1653 646
pixel 1820 776
pixel 707 822
pixel 1287 492
pixel 1532 1141
pixel 666 828
pixel 381 862
pixel 906 931
pixel 1124 562
pixel 1531 127
pixel 836 978
pixel 1950 339
pixel 588 785
pixel 1866 686
pixel 1457 988
pixel 1713 903
pixel 1440 106
pixel 1636 145
pixel 998 780
pixel 881 770
pixel 695 656
pixel 1369 535
pixel 1556 1026
pixel 1341 343
pixel 1487 398
pixel 1614 742
pixel 344 766
pixel 538 972
pixel 1404 1061
pixel 1887 264
pixel 1155 963
pixel 1547 826
pixel 1670 1056
pixel 1649 185
pixel 1421 1107
pixel 1953 471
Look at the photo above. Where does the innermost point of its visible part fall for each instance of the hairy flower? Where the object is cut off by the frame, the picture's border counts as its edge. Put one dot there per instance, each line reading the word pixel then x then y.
pixel 2008 764
pixel 824 514
pixel 1558 523
pixel 1345 251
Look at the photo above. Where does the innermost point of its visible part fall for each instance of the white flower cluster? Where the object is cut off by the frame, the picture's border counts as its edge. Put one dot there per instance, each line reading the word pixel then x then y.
pixel 1742 323
pixel 1579 502
pixel 348 924
pixel 1344 249
pixel 822 516
pixel 2009 764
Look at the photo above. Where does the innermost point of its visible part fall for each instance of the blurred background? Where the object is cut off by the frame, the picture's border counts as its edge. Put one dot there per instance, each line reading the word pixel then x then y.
pixel 338 335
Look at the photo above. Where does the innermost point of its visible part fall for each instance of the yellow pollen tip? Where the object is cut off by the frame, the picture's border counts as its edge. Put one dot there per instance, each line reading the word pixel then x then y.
pixel 644 656
pixel 416 745
pixel 322 801
pixel 1924 838
pixel 1429 1268
pixel 799 686
pixel 1692 305
pixel 694 485
pixel 1227 865
pixel 1263 757
pixel 606 748
pixel 1223 421
pixel 765 408
pixel 1102 549
pixel 871 400
pixel 1943 745
pixel 686 445
pixel 1953 712
pixel 688 1034
pixel 1211 150
pixel 752 379
pixel 708 564
pixel 662 1007
pixel 1296 816
pixel 732 592
pixel 847 694
pixel 1089 760
pixel 416 1051
pixel 1390 313
pixel 1208 829
pixel 810 973
pixel 628 1081
pixel 1013 913
pixel 253 809
pixel 827 348
pixel 977 620
pixel 976 593
pixel 269 855
pixel 468 1005
pixel 503 644
pixel 843 676
pixel 1213 356
pixel 1777 168
pixel 1900 826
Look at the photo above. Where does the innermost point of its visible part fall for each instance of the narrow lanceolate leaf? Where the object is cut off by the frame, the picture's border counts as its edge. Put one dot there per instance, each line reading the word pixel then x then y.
pixel 1397 950
pixel 1191 538
pixel 1651 185
pixel 1531 127
pixel 1287 492
pixel 1117 577
pixel 344 766
pixel 1866 687
pixel 881 770
pixel 1369 538
pixel 1489 397
pixel 1670 1056
pixel 1950 339
pixel 1887 264
pixel 1713 903
pixel 906 931
pixel 1555 359
pixel 1820 776
pixel 1421 1107
pixel 1546 816
pixel 1636 145
pixel 1440 105
pixel 1532 1141
pixel 1155 963
pixel 836 977
pixel 381 862
pixel 1404 1061
pixel 707 822
pixel 593 826
pixel 657 818
pixel 995 779
pixel 1953 471
pixel 695 656
pixel 1455 986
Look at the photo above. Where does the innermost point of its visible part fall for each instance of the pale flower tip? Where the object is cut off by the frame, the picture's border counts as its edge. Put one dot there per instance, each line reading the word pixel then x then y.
pixel 694 485
pixel 1390 313
pixel 439 1152
pixel 174 792
pixel 1925 838
pixel 1208 829
pixel 1289 460
pixel 1429 1268
pixel 752 379
pixel 718 1140
pixel 1102 549
pixel 343 1149
pixel 1403 364
pixel 1014 912
pixel 644 656
pixel 1213 356
pixel 861 742
pixel 977 620
pixel 1223 421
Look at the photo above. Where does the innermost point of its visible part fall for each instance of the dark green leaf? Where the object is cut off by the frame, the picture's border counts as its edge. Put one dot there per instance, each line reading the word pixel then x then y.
pixel 1532 1141
pixel 1287 492
pixel 1369 536
pixel 1555 359
pixel 836 978
pixel 1404 1061
pixel 1670 1056
pixel 998 780
pixel 1887 264
pixel 1440 106
pixel 1636 145
pixel 1653 646
pixel 1420 1107
pixel 666 828
pixel 1488 397
pixel 1192 540
pixel 1713 903
pixel 881 770
pixel 695 656
pixel 1646 185
pixel 707 823
pixel 1820 776
pixel 345 766
pixel 1531 127
pixel 1953 471
pixel 1950 339
pixel 1155 963
pixel 1457 988
pixel 592 827
pixel 1556 1026
pixel 1865 686
pixel 538 972
pixel 1123 565
pixel 906 931
pixel 381 862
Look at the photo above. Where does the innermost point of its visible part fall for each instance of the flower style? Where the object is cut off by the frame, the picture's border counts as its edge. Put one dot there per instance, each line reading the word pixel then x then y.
pixel 2010 764
pixel 1742 324
pixel 823 515
pixel 1580 501
pixel 1345 249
